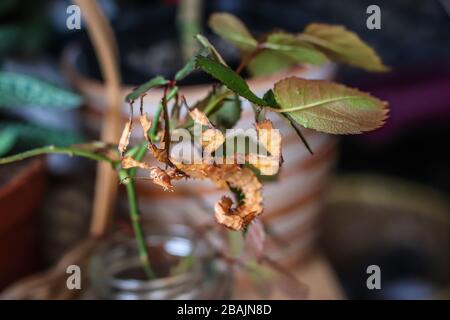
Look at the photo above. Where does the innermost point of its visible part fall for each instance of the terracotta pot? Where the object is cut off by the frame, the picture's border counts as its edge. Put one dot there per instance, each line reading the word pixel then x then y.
pixel 19 199
pixel 291 203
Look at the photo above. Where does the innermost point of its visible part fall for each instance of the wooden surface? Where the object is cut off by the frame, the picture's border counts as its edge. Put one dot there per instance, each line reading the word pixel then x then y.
pixel 316 273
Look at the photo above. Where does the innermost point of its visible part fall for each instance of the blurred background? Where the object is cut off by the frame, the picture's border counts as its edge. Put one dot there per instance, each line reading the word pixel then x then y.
pixel 386 202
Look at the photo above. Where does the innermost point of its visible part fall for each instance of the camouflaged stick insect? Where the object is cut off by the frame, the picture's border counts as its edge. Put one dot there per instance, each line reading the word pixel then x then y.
pixel 229 176
pixel 314 104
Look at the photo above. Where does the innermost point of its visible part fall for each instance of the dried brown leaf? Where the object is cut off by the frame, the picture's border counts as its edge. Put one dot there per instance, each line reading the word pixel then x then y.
pixel 212 139
pixel 200 117
pixel 125 137
pixel 146 125
pixel 160 154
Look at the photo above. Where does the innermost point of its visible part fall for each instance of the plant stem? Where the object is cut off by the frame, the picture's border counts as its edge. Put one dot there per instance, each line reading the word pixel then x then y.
pixel 127 176
pixel 70 151
pixel 135 216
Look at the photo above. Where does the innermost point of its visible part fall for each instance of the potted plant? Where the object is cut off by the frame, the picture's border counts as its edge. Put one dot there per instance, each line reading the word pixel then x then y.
pixel 19 198
pixel 295 199
pixel 209 152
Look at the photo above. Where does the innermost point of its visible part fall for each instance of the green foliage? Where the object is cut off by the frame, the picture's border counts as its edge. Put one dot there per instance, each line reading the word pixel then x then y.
pixel 280 50
pixel 143 88
pixel 24 136
pixel 228 114
pixel 268 62
pixel 211 50
pixel 290 46
pixel 229 78
pixel 231 28
pixel 7 140
pixel 269 98
pixel 188 67
pixel 17 90
pixel 342 45
pixel 329 107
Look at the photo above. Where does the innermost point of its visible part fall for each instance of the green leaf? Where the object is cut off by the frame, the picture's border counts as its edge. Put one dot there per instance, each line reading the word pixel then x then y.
pixel 228 114
pixel 232 29
pixel 7 140
pixel 211 49
pixel 282 51
pixel 268 62
pixel 269 97
pixel 143 88
pixel 329 107
pixel 290 46
pixel 342 45
pixel 29 135
pixel 22 90
pixel 229 78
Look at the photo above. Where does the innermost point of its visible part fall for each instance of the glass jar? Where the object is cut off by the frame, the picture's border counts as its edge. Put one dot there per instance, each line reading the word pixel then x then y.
pixel 185 265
